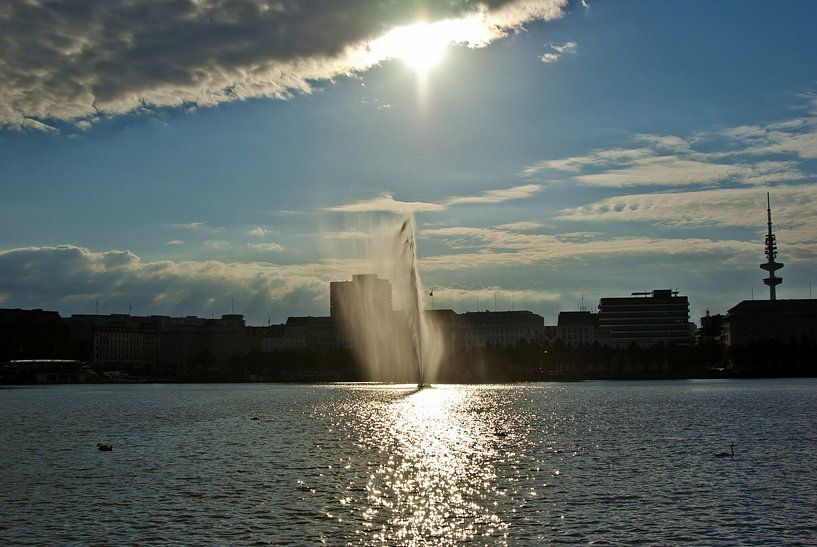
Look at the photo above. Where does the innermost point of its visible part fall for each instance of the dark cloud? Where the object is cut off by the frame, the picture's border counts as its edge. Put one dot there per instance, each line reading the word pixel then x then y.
pixel 68 60
pixel 71 279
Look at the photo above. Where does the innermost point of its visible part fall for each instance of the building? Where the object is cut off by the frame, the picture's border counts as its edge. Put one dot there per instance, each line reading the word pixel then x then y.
pixel 577 328
pixel 108 339
pixel 310 332
pixel 33 334
pixel 498 328
pixel 711 328
pixel 157 344
pixel 363 293
pixel 266 339
pixel 767 320
pixel 646 318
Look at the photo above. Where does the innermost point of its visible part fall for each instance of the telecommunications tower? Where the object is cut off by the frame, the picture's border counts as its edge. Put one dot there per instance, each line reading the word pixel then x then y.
pixel 771 265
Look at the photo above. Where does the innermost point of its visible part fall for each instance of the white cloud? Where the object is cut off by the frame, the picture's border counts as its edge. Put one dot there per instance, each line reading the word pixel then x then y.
pixel 258 232
pixel 345 234
pixel 489 247
pixel 496 196
pixel 386 202
pixel 202 227
pixel 265 246
pixel 521 226
pixel 557 50
pixel 793 207
pixel 668 161
pixel 189 226
pixel 175 242
pixel 676 171
pixel 465 298
pixel 65 61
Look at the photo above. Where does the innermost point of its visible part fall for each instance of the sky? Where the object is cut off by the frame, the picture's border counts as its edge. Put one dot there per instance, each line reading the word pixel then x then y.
pixel 197 156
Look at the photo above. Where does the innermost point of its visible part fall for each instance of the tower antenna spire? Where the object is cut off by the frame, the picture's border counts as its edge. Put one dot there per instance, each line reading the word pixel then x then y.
pixel 771 265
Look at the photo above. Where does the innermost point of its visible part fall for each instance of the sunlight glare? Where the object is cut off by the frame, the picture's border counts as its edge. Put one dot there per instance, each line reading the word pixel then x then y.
pixel 422 45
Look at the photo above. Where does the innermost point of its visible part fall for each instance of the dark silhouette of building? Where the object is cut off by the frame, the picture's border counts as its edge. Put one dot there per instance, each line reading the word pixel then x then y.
pixel 311 332
pixel 499 328
pixel 646 318
pixel 767 320
pixel 576 328
pixel 33 334
pixel 711 328
pixel 363 292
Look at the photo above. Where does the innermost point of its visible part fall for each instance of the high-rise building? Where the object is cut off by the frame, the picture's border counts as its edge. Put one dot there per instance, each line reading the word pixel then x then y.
pixel 363 292
pixel 646 318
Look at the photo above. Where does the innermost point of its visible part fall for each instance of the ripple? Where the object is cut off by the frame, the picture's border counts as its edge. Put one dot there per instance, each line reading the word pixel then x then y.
pixel 596 462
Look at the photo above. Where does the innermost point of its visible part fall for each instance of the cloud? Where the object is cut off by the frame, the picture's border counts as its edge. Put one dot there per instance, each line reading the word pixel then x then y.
pixel 199 227
pixel 496 196
pixel 175 242
pixel 677 171
pixel 793 207
pixel 669 161
pixel 387 204
pixel 798 137
pixel 258 232
pixel 521 226
pixel 465 298
pixel 69 61
pixel 744 155
pixel 491 247
pixel 265 246
pixel 557 50
pixel 345 234
pixel 164 287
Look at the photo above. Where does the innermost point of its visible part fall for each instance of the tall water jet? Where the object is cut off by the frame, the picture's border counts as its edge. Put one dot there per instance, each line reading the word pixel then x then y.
pixel 382 319
pixel 415 319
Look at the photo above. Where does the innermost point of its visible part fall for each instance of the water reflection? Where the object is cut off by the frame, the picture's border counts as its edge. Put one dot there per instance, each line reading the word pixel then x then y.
pixel 604 463
pixel 436 479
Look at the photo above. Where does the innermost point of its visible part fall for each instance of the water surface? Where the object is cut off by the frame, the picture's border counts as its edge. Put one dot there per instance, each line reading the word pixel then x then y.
pixel 591 462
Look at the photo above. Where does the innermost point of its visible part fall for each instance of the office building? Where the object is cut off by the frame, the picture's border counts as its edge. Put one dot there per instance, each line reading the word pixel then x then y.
pixel 646 318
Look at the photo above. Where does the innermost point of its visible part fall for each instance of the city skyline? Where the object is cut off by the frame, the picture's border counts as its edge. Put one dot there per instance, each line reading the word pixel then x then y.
pixel 607 148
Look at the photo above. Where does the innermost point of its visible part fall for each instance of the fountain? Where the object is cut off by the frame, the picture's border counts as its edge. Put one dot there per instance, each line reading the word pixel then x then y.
pixel 383 321
pixel 415 316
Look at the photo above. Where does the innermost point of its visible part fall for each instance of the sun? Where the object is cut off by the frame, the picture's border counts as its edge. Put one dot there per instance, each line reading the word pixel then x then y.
pixel 421 45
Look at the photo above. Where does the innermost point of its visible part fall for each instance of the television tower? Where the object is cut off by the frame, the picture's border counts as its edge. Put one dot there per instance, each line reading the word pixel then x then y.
pixel 771 253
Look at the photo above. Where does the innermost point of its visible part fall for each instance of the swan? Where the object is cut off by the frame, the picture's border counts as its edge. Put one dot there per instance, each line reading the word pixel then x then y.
pixel 727 454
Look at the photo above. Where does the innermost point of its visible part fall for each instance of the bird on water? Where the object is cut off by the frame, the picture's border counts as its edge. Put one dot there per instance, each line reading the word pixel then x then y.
pixel 730 454
pixel 104 447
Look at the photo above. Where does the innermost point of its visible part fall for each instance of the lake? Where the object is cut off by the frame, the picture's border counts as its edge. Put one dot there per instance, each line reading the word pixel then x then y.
pixel 589 462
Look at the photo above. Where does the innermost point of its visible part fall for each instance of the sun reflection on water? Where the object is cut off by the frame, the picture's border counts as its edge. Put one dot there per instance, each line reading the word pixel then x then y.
pixel 436 480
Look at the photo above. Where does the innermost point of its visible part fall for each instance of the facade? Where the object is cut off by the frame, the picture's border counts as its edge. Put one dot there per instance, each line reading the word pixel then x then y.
pixel 266 339
pixel 577 328
pixel 157 343
pixel 646 318
pixel 118 340
pixel 363 292
pixel 766 320
pixel 711 328
pixel 33 334
pixel 499 328
pixel 310 332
